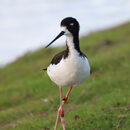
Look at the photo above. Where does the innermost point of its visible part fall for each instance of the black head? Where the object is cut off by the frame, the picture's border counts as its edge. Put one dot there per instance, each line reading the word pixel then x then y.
pixel 69 26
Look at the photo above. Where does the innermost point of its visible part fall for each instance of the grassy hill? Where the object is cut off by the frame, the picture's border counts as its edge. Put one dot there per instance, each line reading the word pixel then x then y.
pixel 29 100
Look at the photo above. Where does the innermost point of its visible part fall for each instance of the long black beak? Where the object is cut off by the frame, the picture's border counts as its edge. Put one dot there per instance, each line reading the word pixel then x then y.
pixel 61 33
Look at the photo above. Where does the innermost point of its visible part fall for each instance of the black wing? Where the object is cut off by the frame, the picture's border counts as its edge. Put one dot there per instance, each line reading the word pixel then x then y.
pixel 56 59
pixel 82 54
pixel 44 69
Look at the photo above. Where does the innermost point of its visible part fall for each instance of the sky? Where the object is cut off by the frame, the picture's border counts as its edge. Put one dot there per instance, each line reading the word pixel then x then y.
pixel 30 24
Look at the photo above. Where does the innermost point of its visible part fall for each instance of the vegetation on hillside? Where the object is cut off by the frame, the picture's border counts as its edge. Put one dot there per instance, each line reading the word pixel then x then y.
pixel 29 99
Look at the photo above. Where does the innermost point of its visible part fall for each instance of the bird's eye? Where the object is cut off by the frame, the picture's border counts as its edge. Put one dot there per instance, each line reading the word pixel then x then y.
pixel 71 24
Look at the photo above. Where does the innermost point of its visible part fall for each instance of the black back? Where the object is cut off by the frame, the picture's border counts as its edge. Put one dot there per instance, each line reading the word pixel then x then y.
pixel 63 54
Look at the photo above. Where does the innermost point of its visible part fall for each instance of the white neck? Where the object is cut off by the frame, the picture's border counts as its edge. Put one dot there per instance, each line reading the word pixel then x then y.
pixel 70 44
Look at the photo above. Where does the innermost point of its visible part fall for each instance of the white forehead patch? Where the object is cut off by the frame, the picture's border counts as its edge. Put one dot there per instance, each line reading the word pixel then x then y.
pixel 63 28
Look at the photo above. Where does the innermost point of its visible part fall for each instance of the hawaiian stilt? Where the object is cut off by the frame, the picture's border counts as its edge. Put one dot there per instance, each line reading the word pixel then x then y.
pixel 69 67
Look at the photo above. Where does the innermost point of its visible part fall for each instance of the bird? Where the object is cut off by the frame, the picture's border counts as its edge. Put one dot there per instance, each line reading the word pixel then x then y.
pixel 69 67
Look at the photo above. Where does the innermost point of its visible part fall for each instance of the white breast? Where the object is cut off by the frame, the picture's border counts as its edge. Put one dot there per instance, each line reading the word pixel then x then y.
pixel 70 71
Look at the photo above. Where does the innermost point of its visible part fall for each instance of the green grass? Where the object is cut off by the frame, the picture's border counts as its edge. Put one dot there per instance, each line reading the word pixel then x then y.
pixel 102 102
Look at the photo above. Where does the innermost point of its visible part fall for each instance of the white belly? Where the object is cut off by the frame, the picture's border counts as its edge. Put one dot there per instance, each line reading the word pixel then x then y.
pixel 70 71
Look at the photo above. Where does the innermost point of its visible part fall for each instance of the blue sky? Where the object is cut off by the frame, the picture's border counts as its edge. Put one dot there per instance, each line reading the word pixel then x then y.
pixel 30 24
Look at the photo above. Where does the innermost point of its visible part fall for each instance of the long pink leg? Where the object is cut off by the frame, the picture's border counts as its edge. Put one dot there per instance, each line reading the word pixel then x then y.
pixel 61 108
pixel 57 118
pixel 68 93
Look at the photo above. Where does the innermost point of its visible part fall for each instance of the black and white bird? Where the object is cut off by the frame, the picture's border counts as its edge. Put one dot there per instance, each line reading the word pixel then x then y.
pixel 69 67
